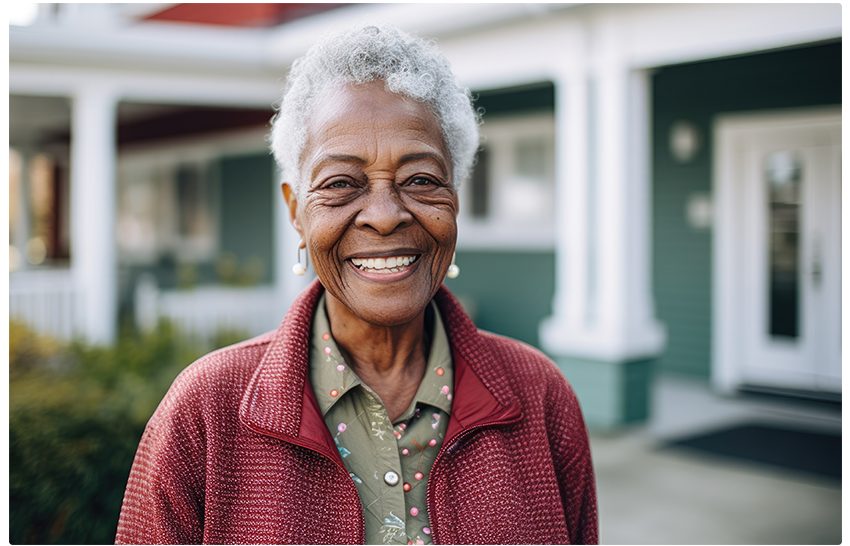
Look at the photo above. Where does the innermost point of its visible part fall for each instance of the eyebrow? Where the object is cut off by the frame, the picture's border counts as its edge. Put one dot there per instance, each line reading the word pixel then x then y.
pixel 344 158
pixel 348 158
pixel 421 155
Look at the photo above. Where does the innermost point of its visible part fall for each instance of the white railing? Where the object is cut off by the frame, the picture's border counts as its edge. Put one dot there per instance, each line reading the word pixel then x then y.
pixel 203 311
pixel 46 301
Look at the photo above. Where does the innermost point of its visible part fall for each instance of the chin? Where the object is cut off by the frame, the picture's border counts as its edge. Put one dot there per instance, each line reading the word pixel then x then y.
pixel 393 310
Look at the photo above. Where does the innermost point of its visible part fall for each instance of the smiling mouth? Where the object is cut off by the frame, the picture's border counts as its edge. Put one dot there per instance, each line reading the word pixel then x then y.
pixel 394 264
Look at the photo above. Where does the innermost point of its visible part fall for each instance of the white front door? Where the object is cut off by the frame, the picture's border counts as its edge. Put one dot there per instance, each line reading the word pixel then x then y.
pixel 778 244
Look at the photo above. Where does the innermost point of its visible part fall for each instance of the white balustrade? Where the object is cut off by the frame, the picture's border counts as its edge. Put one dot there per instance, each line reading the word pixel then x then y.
pixel 203 311
pixel 46 301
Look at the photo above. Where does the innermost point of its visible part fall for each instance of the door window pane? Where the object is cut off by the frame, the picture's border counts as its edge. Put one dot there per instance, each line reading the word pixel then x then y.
pixel 784 180
pixel 480 186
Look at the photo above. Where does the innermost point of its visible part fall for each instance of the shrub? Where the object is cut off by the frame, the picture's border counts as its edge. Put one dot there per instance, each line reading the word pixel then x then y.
pixel 76 414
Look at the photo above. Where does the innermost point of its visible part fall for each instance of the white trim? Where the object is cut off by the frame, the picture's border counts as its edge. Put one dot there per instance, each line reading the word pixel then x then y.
pixel 146 86
pixel 158 161
pixel 725 321
pixel 653 34
pixel 662 34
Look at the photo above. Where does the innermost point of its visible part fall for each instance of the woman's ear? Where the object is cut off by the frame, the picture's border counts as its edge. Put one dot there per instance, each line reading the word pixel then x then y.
pixel 292 204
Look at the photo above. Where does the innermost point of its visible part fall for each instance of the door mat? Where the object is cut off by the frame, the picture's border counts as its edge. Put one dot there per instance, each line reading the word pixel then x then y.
pixel 792 449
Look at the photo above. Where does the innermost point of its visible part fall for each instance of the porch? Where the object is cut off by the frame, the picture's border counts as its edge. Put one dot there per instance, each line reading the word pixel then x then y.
pixel 653 493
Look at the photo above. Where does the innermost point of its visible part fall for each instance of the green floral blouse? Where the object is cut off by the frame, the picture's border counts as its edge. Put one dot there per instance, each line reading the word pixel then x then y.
pixel 389 461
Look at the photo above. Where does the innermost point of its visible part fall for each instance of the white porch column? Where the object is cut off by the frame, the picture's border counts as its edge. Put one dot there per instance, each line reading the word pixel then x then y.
pixel 626 323
pixel 603 333
pixel 93 253
pixel 571 306
pixel 609 316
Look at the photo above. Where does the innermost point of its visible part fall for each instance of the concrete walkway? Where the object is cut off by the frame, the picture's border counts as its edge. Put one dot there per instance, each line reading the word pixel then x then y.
pixel 653 494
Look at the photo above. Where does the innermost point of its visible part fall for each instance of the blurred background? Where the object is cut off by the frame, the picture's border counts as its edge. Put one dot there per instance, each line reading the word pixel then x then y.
pixel 656 205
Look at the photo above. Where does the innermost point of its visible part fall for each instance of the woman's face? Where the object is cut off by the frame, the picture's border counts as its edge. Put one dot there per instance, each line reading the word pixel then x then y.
pixel 378 213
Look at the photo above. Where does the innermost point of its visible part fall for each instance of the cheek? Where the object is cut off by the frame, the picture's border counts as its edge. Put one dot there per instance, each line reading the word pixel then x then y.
pixel 322 235
pixel 444 232
pixel 438 220
pixel 446 226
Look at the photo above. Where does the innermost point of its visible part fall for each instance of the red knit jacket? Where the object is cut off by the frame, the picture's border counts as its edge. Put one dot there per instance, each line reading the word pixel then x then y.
pixel 238 452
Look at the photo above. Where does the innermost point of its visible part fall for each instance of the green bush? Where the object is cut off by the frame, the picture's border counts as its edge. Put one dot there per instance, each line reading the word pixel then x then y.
pixel 76 414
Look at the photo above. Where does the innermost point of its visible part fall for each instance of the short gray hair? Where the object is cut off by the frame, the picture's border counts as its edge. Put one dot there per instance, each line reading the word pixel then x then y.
pixel 408 66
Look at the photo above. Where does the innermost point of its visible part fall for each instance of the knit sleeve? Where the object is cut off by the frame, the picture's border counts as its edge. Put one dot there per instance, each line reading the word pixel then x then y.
pixel 571 454
pixel 164 499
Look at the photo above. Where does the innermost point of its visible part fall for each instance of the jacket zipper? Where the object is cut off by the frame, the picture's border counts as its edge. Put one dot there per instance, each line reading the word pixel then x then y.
pixel 435 529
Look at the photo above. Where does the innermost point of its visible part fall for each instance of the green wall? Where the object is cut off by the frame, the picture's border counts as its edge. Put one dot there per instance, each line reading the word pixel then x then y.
pixel 508 293
pixel 697 93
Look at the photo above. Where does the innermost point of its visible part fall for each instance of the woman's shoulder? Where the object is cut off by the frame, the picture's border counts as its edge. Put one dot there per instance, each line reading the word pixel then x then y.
pixel 229 362
pixel 519 357
pixel 534 378
pixel 218 376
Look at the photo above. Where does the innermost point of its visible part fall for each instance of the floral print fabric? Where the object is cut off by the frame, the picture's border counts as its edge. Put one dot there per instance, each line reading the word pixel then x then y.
pixel 389 462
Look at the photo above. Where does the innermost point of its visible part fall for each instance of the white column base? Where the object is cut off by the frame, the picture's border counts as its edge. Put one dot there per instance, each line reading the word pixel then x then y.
pixel 558 337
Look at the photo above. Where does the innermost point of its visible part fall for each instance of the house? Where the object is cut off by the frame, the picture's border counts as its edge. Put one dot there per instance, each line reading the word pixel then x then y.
pixel 658 188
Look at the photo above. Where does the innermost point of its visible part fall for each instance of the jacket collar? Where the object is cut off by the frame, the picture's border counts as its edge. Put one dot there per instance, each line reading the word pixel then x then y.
pixel 279 402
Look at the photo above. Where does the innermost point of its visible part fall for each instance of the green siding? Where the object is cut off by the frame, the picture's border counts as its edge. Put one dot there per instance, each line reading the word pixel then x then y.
pixel 508 293
pixel 611 394
pixel 246 211
pixel 698 92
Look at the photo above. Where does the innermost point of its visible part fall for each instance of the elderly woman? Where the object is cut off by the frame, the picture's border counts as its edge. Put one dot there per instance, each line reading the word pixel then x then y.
pixel 377 412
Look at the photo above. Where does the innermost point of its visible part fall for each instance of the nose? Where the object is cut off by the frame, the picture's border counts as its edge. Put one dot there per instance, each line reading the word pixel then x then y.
pixel 383 210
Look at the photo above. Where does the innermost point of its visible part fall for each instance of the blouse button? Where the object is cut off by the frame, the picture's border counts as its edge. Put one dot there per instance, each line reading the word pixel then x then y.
pixel 391 478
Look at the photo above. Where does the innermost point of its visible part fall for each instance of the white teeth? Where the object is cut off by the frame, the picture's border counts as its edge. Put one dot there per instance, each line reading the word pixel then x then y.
pixel 384 265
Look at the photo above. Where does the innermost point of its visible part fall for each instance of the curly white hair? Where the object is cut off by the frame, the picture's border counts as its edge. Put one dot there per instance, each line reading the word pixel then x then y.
pixel 408 66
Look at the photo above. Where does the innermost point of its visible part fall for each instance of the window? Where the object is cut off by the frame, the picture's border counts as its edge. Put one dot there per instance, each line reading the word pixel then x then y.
pixel 38 211
pixel 509 200
pixel 166 209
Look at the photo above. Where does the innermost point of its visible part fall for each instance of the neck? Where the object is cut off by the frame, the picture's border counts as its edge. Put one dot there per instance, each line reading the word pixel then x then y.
pixel 375 350
pixel 389 359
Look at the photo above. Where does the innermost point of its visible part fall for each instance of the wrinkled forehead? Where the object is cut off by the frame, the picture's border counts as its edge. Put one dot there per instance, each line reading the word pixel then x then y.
pixel 369 101
pixel 357 114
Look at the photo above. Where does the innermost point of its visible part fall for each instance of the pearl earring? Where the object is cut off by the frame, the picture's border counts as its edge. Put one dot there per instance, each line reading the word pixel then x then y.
pixel 454 270
pixel 299 268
